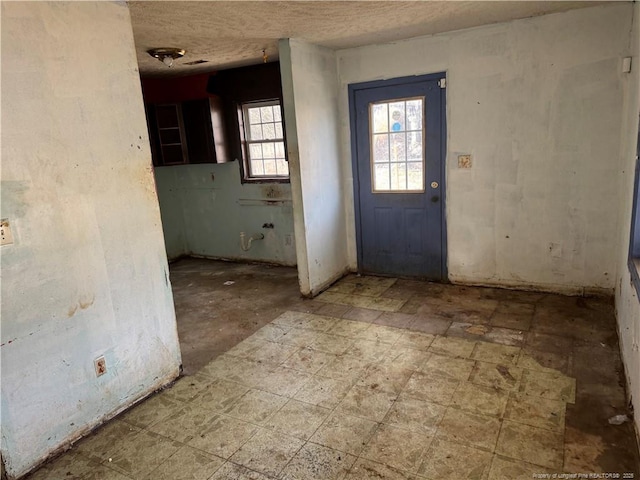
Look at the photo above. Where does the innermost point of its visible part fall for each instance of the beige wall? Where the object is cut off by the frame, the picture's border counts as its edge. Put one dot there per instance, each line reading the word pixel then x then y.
pixel 310 90
pixel 87 274
pixel 537 103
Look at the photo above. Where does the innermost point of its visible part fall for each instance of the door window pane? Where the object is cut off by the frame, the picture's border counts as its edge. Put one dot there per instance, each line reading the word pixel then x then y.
pixel 381 177
pixel 381 148
pixel 397 145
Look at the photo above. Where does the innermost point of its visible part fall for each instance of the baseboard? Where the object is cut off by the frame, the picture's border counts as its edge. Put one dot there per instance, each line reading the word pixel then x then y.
pixel 240 260
pixel 571 290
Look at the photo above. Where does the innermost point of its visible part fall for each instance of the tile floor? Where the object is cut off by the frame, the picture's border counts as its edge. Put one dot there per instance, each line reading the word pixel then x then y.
pixel 386 379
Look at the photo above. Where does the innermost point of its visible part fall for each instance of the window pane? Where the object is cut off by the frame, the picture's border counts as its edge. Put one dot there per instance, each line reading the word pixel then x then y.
pixel 415 177
pixel 380 118
pixel 257 168
pixel 381 148
pixel 414 114
pixel 256 132
pixel 396 116
pixel 264 139
pixel 397 153
pixel 255 151
pixel 268 150
pixel 270 167
pixel 267 114
pixel 254 115
pixel 397 157
pixel 268 131
pixel 414 146
pixel 283 167
pixel 398 176
pixel 381 177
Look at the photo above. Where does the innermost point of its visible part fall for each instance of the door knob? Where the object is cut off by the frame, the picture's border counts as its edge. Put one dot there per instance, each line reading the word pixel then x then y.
pixel 434 184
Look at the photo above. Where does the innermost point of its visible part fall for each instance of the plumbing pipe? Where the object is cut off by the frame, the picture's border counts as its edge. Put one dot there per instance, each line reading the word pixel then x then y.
pixel 247 246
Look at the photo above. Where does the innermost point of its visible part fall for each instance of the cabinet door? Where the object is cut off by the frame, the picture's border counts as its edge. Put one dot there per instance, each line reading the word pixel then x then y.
pixel 171 134
pixel 199 131
pixel 152 128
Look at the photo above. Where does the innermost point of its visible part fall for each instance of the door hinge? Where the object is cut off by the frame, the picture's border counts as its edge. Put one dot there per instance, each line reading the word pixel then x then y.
pixel 442 83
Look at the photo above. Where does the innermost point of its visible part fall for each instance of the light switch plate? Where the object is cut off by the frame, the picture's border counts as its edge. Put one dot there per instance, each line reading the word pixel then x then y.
pixel 464 161
pixel 5 232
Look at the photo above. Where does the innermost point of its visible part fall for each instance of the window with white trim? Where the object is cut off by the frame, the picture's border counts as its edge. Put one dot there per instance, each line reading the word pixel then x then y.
pixel 265 156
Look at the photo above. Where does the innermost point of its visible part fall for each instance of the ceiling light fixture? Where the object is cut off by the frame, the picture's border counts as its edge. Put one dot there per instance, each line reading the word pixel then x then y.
pixel 166 55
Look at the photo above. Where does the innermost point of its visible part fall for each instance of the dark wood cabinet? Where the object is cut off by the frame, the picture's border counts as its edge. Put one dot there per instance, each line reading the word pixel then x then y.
pixel 186 132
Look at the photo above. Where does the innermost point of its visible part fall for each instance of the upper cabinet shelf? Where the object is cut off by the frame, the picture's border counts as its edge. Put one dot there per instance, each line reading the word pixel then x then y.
pixel 187 132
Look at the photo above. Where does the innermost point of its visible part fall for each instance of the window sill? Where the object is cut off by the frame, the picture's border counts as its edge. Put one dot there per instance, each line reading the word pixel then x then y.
pixel 266 180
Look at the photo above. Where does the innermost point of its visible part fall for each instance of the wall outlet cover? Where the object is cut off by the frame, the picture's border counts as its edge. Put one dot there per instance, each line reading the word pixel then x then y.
pixel 100 365
pixel 464 161
pixel 5 232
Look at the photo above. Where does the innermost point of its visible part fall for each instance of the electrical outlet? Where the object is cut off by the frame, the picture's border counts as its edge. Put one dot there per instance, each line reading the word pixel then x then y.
pixel 287 239
pixel 5 232
pixel 100 365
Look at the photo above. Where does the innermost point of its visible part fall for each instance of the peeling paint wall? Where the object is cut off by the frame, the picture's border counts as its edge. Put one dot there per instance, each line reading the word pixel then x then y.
pixel 310 87
pixel 627 302
pixel 205 207
pixel 537 104
pixel 87 273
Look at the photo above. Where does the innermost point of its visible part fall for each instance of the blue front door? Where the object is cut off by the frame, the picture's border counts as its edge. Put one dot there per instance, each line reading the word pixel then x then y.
pixel 398 144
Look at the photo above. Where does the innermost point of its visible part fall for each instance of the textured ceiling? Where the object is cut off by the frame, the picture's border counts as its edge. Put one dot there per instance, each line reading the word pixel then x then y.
pixel 229 34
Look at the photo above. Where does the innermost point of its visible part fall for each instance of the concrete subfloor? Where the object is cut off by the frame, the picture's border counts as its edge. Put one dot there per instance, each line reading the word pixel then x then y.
pixel 376 378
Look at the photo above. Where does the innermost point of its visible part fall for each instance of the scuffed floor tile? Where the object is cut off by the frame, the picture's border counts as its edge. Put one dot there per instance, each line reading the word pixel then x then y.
pixel 151 410
pixel 398 448
pixel 451 461
pixel 480 399
pixel 137 456
pixel 493 353
pixel 298 419
pixel 536 412
pixel 552 386
pixel 451 346
pixel 345 433
pixel 324 392
pixel 456 368
pixel 530 444
pixel 231 471
pixel 471 429
pixel 504 377
pixel 267 452
pixel 381 377
pixel 415 415
pixel 224 436
pixel 256 406
pixel 404 357
pixel 417 340
pixel 505 468
pixel 308 360
pixel 366 402
pixel 368 470
pixel 431 388
pixel 316 462
pixel 187 464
